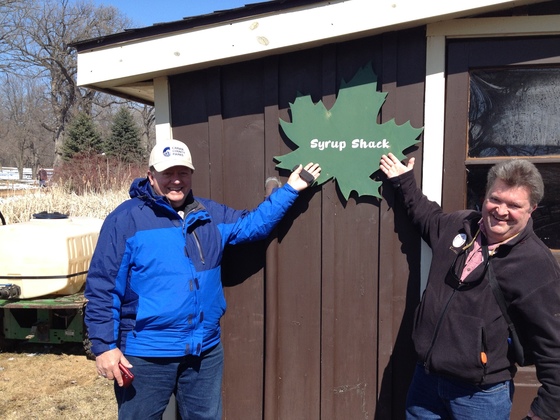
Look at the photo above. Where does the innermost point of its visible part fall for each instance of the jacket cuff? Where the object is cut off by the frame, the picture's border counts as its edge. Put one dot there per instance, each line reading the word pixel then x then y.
pixel 98 347
pixel 397 181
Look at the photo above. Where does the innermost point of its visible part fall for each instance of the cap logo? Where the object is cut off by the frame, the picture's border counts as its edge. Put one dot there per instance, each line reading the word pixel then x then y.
pixel 171 151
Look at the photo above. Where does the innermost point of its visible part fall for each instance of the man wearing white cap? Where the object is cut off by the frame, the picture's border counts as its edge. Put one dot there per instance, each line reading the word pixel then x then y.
pixel 154 288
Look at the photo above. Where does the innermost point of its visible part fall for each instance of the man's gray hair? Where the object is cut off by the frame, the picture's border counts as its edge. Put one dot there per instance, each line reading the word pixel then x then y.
pixel 518 173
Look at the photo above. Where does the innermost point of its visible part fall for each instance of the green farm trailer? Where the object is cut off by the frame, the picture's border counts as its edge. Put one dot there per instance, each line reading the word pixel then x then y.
pixel 43 269
pixel 47 320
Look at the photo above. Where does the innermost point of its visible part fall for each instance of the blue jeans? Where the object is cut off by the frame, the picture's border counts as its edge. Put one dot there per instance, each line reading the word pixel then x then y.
pixel 195 381
pixel 432 397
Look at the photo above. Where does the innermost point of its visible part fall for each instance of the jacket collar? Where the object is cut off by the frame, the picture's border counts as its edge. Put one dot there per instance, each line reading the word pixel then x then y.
pixel 142 189
pixel 471 225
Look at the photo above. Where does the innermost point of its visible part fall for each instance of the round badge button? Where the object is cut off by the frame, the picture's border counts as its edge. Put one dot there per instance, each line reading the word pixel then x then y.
pixel 459 240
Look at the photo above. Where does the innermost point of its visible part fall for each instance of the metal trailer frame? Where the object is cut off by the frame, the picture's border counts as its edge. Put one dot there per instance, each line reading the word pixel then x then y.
pixel 48 320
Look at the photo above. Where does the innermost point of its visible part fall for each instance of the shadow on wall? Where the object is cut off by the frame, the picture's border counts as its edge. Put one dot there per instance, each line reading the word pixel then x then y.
pixel 242 261
pixel 398 372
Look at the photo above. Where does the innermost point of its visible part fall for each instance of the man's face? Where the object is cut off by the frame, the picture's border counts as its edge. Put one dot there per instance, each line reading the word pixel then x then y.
pixel 506 211
pixel 175 183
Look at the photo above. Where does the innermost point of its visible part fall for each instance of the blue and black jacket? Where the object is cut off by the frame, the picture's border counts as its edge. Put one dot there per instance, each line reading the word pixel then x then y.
pixel 154 284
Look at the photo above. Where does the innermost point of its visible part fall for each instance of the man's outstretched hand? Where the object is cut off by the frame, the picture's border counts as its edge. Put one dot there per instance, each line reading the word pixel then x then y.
pixel 393 167
pixel 299 181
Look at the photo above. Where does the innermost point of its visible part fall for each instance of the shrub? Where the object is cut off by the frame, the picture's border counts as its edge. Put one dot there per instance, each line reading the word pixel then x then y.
pixel 95 174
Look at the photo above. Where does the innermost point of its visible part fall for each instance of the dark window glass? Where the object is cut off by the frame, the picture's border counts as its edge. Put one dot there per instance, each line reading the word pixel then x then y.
pixel 546 218
pixel 514 112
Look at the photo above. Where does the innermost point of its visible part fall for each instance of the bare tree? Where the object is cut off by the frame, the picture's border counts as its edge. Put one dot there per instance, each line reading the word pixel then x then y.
pixel 25 142
pixel 35 41
pixel 5 23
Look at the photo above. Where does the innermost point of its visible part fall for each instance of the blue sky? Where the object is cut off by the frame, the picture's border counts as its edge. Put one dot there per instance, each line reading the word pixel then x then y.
pixel 147 12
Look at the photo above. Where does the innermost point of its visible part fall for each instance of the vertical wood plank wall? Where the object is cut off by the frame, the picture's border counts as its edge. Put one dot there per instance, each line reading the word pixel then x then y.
pixel 319 315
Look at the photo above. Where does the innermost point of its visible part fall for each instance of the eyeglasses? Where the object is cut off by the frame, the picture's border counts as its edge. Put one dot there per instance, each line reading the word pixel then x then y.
pixel 453 279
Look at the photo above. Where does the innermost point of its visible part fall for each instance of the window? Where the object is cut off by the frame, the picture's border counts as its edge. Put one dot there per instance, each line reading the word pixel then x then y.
pixel 515 112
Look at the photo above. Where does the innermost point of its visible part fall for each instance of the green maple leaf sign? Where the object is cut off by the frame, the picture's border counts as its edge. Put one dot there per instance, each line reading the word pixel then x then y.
pixel 346 140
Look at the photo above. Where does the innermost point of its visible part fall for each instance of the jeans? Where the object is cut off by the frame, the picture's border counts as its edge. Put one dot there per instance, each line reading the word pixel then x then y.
pixel 195 381
pixel 433 397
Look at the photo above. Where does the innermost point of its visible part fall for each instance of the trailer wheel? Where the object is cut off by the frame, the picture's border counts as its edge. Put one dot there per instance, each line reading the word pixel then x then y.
pixel 6 344
pixel 87 347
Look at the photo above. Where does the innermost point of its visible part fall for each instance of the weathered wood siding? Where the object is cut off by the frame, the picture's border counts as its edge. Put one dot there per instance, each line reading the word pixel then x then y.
pixel 319 316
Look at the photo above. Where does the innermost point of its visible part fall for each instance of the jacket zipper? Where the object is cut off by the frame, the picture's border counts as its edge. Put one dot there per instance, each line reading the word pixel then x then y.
pixel 483 354
pixel 438 326
pixel 200 253
pixel 196 241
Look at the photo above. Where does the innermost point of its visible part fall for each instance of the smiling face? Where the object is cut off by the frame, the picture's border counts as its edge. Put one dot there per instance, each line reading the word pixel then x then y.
pixel 174 183
pixel 506 211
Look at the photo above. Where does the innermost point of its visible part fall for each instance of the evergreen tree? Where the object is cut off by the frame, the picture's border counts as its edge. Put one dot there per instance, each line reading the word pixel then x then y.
pixel 82 138
pixel 124 142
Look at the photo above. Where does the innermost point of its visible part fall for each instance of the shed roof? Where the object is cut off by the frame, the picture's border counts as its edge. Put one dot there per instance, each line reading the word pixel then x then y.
pixel 126 64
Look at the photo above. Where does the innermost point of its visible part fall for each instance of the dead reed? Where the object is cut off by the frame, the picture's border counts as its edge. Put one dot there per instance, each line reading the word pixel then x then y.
pixel 22 205
pixel 86 186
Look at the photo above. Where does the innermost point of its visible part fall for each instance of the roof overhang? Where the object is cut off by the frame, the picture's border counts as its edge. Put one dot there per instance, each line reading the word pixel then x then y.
pixel 126 66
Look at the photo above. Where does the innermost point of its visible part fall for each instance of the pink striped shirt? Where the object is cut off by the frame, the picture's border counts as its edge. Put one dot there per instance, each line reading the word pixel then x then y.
pixel 474 258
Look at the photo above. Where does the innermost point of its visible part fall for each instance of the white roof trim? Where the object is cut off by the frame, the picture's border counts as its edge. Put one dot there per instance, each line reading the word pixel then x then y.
pixel 494 27
pixel 258 36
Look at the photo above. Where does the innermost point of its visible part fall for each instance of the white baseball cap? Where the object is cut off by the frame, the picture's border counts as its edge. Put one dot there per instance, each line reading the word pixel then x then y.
pixel 168 153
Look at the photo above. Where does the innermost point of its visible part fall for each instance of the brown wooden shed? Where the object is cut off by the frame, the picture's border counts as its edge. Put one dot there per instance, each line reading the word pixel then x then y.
pixel 319 316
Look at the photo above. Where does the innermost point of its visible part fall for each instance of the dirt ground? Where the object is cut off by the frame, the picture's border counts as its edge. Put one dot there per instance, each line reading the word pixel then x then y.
pixel 53 382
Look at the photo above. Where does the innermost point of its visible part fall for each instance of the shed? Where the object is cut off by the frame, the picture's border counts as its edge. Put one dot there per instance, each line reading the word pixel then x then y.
pixel 319 316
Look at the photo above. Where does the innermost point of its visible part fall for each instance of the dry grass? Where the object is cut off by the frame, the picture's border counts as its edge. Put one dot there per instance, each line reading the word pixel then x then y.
pixel 46 383
pixel 47 386
pixel 20 205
